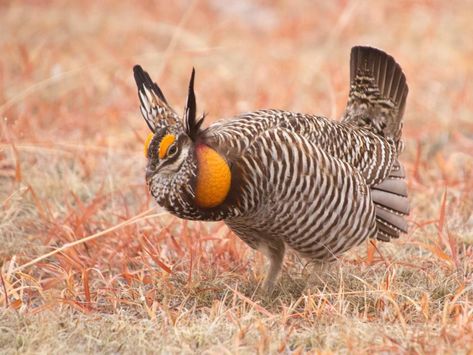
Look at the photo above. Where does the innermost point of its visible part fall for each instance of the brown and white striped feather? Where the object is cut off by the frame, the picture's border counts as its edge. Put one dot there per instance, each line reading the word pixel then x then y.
pixel 367 152
pixel 297 193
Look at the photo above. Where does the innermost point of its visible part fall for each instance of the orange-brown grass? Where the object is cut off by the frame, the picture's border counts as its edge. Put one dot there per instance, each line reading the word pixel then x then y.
pixel 71 167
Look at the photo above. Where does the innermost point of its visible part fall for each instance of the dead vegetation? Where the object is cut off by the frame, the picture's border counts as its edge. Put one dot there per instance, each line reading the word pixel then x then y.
pixel 71 167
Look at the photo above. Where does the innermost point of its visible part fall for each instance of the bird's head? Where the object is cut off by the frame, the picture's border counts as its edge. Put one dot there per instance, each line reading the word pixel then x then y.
pixel 172 138
pixel 174 149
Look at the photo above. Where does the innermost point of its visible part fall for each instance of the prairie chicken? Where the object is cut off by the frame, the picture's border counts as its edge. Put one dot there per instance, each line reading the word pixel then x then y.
pixel 281 179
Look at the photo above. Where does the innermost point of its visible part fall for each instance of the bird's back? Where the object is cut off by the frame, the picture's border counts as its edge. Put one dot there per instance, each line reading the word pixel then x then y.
pixel 364 150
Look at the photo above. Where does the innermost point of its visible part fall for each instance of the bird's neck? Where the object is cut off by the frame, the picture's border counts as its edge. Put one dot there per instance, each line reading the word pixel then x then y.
pixel 199 189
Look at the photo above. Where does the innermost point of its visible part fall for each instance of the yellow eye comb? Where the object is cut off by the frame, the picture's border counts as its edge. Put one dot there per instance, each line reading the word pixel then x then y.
pixel 167 140
pixel 147 143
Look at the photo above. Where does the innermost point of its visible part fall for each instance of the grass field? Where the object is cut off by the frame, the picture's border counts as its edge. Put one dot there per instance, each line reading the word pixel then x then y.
pixel 72 167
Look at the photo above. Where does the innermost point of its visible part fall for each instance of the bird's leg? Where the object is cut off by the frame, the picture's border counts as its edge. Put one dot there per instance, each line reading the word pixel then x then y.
pixel 319 271
pixel 275 254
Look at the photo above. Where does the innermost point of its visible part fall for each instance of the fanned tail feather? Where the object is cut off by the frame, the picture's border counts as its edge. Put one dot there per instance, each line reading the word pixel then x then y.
pixel 378 92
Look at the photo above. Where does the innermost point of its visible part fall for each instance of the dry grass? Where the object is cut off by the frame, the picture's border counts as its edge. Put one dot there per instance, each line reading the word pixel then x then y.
pixel 71 166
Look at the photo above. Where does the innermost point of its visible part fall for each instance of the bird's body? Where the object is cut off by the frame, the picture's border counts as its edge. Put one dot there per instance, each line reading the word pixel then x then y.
pixel 282 179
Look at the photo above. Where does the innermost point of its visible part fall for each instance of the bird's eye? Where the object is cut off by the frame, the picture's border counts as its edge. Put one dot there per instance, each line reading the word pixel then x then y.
pixel 172 150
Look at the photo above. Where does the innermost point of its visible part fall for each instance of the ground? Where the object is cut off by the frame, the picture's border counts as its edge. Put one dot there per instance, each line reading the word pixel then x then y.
pixel 72 167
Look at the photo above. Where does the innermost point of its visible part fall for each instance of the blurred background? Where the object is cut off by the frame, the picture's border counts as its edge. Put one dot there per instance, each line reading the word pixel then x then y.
pixel 71 135
pixel 66 66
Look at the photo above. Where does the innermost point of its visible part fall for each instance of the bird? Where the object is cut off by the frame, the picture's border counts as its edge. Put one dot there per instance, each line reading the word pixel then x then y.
pixel 284 180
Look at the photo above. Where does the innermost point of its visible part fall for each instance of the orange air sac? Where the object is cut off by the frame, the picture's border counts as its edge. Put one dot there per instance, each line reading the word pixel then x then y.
pixel 213 179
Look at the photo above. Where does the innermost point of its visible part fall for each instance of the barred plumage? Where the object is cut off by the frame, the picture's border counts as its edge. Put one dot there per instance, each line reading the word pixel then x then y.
pixel 282 179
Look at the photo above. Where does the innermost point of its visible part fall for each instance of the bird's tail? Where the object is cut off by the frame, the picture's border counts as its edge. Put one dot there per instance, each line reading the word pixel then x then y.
pixel 378 92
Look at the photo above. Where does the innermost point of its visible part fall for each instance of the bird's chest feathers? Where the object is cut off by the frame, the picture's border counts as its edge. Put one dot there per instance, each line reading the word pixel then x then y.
pixel 213 178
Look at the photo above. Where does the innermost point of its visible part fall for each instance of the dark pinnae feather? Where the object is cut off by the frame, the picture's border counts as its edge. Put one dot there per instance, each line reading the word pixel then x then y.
pixel 143 79
pixel 191 123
